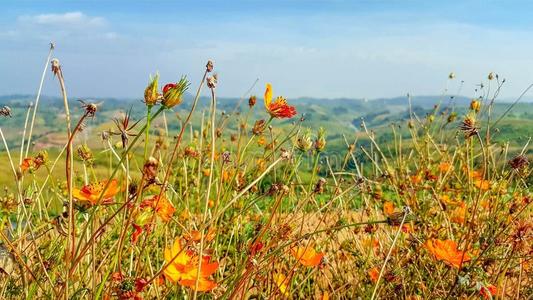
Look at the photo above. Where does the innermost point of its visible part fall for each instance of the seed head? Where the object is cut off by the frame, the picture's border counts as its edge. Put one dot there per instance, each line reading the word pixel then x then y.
pixel 150 168
pixel 212 81
pixel 209 66
pixel 251 101
pixel 56 67
pixel 90 108
pixel 519 162
pixel 5 111
pixel 259 127
pixel 469 127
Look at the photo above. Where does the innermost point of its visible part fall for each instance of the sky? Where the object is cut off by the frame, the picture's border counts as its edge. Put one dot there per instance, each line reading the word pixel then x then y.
pixel 323 49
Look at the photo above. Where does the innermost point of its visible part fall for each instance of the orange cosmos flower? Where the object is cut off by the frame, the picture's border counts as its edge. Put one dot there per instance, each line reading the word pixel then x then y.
pixel 446 199
pixel 183 268
pixel 307 256
pixel 482 184
pixel 447 251
pixel 475 174
pixel 388 208
pixel 27 163
pixel 459 214
pixel 325 295
pixel 373 274
pixel 444 167
pixel 92 192
pixel 407 228
pixel 279 107
pixel 196 236
pixel 416 179
pixel 261 141
pixel 283 283
pixel 164 208
pixel 488 291
pixel 34 163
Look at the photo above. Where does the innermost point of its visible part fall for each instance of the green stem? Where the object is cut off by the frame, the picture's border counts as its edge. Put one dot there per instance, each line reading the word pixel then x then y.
pixel 148 111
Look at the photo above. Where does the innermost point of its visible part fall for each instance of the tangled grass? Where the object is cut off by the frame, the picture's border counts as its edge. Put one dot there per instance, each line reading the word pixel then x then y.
pixel 254 211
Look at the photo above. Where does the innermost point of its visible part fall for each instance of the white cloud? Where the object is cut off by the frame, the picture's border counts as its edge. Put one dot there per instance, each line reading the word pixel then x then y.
pixel 75 18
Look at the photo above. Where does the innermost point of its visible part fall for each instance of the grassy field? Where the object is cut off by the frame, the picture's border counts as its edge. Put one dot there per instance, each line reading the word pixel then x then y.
pixel 190 197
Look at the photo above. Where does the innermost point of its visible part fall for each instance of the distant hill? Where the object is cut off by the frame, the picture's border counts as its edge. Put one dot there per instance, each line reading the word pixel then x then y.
pixel 340 116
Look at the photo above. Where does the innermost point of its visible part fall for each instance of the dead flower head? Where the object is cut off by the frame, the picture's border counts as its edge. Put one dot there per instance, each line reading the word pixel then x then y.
pixel 5 111
pixel 469 126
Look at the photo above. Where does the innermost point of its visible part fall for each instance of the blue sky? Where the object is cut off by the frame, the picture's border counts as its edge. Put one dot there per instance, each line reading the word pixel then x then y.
pixel 328 49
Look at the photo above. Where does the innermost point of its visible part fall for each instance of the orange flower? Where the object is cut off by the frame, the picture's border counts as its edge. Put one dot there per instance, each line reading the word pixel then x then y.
pixel 261 141
pixel 279 108
pixel 415 179
pixel 447 251
pixel 444 167
pixel 407 228
pixel 283 283
pixel 182 268
pixel 196 236
pixel 34 163
pixel 482 184
pixel 372 244
pixel 325 295
pixel 458 215
pixel 307 256
pixel 447 200
pixel 488 291
pixel 388 208
pixel 164 208
pixel 373 274
pixel 94 191
pixel 475 174
pixel 27 163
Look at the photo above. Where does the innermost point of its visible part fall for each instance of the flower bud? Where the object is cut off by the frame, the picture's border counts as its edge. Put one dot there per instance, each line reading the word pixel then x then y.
pixel 251 101
pixel 304 142
pixel 150 93
pixel 475 105
pixel 173 93
pixel 320 142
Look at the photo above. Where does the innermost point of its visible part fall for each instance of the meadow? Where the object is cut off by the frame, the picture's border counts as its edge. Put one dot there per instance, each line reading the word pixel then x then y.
pixel 188 197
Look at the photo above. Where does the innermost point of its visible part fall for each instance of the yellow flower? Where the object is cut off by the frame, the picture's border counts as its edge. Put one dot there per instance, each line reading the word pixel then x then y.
pixel 283 283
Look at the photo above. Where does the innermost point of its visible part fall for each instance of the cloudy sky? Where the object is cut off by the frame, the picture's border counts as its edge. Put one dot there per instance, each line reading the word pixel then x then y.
pixel 336 48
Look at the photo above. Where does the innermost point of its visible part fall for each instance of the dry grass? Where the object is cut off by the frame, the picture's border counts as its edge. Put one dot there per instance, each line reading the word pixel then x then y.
pixel 246 201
